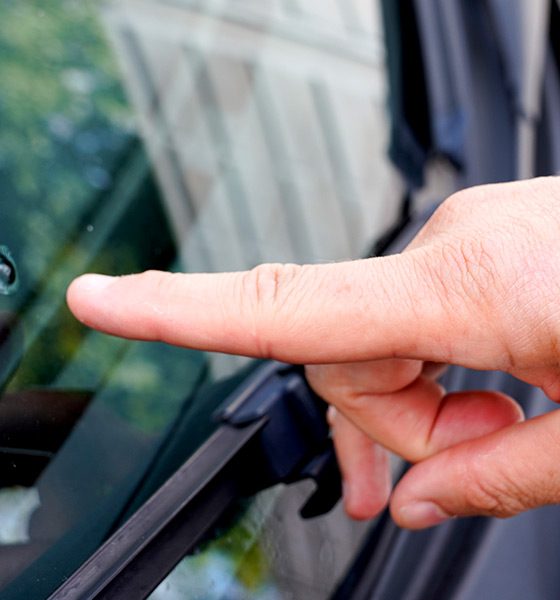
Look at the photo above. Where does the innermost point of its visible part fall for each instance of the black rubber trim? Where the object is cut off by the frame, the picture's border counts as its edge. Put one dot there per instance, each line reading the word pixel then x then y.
pixel 140 554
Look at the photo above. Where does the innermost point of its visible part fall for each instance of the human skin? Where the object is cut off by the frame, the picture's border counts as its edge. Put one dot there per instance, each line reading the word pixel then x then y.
pixel 479 287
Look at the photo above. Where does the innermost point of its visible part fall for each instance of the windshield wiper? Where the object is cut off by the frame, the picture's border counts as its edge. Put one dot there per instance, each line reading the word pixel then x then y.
pixel 273 430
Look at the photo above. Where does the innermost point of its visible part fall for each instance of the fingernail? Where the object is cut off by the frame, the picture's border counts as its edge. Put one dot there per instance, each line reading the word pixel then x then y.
pixel 422 514
pixel 93 283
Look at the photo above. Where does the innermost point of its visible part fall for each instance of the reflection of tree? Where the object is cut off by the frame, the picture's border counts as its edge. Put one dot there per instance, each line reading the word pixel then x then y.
pixel 76 192
pixel 66 150
pixel 63 123
pixel 234 564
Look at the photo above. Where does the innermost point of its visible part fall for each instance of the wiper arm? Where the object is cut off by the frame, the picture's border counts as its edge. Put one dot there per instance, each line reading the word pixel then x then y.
pixel 273 430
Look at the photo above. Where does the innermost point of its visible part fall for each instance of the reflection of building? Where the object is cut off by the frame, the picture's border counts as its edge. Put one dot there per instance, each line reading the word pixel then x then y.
pixel 266 124
pixel 265 121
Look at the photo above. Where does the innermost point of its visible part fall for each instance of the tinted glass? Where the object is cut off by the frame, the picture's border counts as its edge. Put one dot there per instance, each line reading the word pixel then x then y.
pixel 182 135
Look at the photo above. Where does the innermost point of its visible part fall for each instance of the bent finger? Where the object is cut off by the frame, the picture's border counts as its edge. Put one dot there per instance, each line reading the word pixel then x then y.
pixel 413 421
pixel 501 474
pixel 364 466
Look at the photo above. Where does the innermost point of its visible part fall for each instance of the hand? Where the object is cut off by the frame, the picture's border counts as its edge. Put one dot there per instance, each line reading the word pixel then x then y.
pixel 479 287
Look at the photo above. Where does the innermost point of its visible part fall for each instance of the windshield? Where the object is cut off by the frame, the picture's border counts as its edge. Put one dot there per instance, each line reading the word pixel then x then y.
pixel 177 135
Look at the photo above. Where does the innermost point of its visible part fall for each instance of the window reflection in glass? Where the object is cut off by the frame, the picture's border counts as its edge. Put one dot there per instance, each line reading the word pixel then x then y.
pixel 266 122
pixel 182 135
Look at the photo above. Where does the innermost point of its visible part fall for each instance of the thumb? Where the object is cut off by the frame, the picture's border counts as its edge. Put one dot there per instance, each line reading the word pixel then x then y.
pixel 354 311
pixel 501 474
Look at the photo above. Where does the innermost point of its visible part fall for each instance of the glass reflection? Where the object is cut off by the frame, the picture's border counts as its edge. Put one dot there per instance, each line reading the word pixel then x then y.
pixel 181 135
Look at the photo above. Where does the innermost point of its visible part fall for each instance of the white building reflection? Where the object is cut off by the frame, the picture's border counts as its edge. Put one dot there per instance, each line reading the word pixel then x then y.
pixel 265 121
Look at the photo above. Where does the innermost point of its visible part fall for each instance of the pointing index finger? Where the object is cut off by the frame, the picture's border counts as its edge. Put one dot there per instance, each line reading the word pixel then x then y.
pixel 352 311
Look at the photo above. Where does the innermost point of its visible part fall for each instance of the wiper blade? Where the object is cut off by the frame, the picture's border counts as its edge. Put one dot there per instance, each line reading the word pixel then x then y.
pixel 273 431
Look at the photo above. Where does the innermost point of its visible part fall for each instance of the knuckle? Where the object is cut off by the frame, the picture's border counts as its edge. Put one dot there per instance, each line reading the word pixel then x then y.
pixel 351 401
pixel 163 285
pixel 266 294
pixel 453 208
pixel 157 280
pixel 458 209
pixel 467 271
pixel 268 284
pixel 462 201
pixel 157 292
pixel 153 277
pixel 498 496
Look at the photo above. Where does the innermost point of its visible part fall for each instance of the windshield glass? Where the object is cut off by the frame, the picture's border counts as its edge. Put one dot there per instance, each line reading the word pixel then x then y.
pixel 178 135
